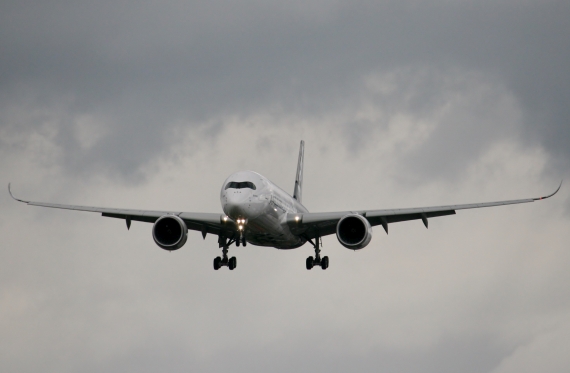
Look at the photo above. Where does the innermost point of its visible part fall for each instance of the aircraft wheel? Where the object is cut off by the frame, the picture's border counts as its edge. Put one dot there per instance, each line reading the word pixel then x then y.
pixel 217 263
pixel 244 242
pixel 309 262
pixel 237 242
pixel 325 262
pixel 232 263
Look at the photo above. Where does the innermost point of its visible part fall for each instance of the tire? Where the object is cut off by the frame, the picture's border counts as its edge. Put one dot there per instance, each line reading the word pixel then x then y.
pixel 309 262
pixel 244 242
pixel 232 263
pixel 217 263
pixel 325 262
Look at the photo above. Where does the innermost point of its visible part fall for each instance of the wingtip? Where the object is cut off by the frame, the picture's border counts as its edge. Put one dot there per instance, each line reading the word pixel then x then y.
pixel 550 195
pixel 11 195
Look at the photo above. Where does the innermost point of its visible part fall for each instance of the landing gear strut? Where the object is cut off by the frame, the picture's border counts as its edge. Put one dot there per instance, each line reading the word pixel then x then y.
pixel 317 260
pixel 241 240
pixel 224 261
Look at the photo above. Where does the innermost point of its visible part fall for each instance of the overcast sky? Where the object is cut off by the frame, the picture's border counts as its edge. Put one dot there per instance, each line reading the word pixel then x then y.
pixel 404 103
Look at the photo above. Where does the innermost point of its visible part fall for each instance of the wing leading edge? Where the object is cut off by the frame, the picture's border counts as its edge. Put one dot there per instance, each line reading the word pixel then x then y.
pixel 197 221
pixel 308 225
pixel 312 225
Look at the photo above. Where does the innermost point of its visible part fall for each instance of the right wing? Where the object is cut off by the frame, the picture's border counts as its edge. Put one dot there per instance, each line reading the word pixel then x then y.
pixel 218 224
pixel 313 225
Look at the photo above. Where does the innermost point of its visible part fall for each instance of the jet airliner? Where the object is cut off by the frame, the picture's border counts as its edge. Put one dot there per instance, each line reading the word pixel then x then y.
pixel 258 212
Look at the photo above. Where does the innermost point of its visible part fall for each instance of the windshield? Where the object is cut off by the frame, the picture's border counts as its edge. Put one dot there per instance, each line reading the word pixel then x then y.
pixel 240 185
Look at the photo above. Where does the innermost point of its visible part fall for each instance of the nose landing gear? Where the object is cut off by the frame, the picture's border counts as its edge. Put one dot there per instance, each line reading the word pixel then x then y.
pixel 241 228
pixel 317 260
pixel 241 240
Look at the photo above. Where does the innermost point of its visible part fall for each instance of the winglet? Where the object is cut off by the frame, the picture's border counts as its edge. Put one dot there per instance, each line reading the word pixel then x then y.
pixel 298 191
pixel 11 195
pixel 550 195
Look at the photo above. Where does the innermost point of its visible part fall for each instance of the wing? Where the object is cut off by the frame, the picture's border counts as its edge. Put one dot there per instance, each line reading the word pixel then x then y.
pixel 312 225
pixel 217 224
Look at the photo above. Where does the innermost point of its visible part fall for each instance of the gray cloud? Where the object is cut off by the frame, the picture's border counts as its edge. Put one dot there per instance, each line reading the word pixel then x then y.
pixel 402 103
pixel 145 71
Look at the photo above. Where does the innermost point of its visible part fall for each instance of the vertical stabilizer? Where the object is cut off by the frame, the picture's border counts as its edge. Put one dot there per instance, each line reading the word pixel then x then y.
pixel 298 192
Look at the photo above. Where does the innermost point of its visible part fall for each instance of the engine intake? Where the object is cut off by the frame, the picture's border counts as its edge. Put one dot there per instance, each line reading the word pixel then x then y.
pixel 170 232
pixel 354 231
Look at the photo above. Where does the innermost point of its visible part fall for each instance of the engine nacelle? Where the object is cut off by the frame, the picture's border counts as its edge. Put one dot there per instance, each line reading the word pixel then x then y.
pixel 354 231
pixel 170 232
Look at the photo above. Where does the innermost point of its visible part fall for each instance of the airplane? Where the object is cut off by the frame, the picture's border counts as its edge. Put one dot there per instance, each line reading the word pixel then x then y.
pixel 258 212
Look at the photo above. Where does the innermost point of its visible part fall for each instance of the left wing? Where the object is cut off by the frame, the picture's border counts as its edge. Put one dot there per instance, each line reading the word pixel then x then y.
pixel 313 225
pixel 218 224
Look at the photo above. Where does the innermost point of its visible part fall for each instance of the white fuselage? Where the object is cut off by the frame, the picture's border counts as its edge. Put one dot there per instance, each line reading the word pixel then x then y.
pixel 250 196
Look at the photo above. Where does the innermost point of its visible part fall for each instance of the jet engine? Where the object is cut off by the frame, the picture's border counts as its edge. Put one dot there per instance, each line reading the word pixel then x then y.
pixel 170 232
pixel 354 231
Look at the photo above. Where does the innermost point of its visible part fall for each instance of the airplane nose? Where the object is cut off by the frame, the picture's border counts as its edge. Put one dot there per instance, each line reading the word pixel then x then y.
pixel 235 210
pixel 236 205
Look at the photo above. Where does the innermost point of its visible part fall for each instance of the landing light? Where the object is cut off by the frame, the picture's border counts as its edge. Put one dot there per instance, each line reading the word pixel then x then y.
pixel 297 218
pixel 240 227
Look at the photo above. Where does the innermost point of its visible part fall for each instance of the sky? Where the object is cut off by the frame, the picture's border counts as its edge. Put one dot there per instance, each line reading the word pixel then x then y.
pixel 151 105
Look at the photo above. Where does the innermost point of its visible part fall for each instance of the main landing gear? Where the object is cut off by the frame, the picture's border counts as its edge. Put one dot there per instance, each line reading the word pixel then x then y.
pixel 317 260
pixel 231 263
pixel 225 244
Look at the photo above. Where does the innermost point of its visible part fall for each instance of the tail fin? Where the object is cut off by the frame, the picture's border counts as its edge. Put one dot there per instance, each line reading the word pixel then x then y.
pixel 298 192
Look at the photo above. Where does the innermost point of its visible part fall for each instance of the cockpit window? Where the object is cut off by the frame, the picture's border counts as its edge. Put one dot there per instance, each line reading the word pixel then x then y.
pixel 240 185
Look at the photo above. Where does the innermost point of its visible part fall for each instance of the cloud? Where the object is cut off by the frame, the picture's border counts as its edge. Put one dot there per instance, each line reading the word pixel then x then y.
pixel 544 350
pixel 142 72
pixel 152 105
